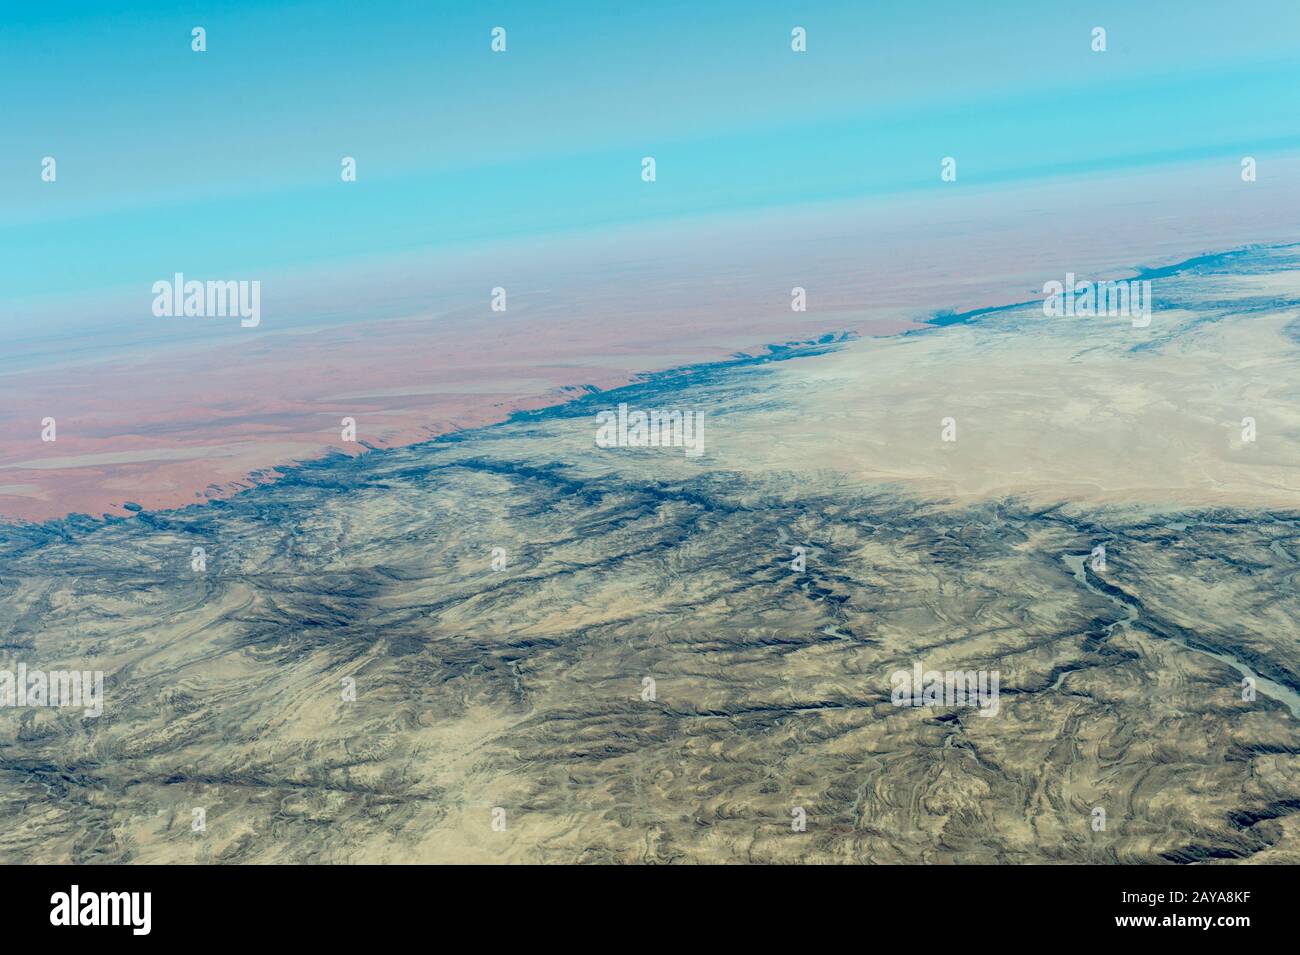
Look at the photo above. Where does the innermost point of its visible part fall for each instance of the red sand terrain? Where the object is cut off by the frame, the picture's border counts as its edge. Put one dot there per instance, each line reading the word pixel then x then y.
pixel 179 424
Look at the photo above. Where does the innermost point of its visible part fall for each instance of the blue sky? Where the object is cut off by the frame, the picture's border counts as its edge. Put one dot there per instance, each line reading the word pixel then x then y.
pixel 227 162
